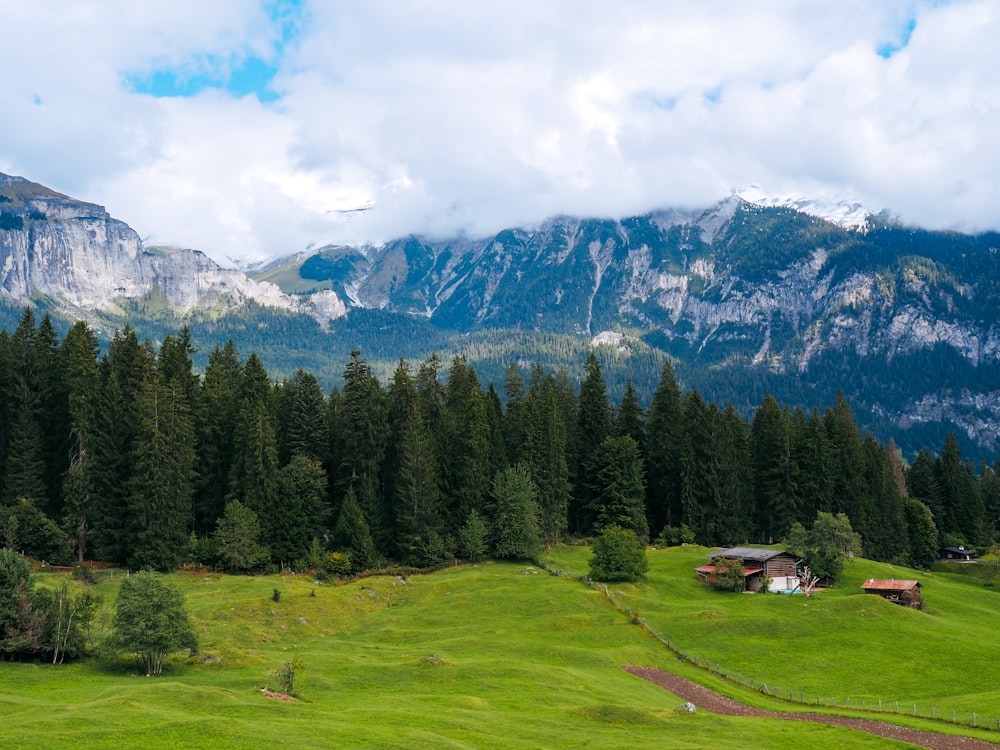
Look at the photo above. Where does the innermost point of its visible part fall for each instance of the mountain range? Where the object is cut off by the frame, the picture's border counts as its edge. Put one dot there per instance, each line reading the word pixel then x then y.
pixel 748 296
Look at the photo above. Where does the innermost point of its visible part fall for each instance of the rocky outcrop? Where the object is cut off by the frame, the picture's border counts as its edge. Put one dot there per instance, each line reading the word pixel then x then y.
pixel 80 259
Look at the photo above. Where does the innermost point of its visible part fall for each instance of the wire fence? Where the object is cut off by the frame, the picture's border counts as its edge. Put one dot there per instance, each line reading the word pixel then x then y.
pixel 975 719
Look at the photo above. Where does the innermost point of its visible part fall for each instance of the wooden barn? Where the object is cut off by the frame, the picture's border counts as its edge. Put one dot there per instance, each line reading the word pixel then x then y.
pixel 778 565
pixel 902 592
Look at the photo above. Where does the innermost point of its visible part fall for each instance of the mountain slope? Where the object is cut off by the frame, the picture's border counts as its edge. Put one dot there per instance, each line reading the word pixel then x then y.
pixel 748 298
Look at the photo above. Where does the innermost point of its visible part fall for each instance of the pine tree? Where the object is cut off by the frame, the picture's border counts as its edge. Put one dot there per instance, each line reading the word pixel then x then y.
pixel 811 451
pixel 78 363
pixel 628 419
pixel 546 447
pixel 162 485
pixel 418 504
pixel 305 430
pixel 593 427
pixel 701 482
pixel 664 440
pixel 24 471
pixel 515 524
pixel 515 427
pixel 400 402
pixel 351 535
pixel 215 426
pixel 618 489
pixel 963 513
pixel 238 539
pixel 364 424
pixel 847 467
pixel 123 372
pixel 736 511
pixel 922 483
pixel 300 512
pixel 776 474
pixel 255 473
pixel 467 464
pixel 888 534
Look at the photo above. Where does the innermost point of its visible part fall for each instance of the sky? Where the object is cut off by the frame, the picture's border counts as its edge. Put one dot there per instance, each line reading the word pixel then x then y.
pixel 253 129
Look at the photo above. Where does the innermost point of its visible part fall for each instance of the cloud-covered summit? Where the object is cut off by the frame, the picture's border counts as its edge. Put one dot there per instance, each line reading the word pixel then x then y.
pixel 254 129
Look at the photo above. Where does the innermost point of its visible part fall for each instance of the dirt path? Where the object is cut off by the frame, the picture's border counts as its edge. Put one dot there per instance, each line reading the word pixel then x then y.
pixel 709 700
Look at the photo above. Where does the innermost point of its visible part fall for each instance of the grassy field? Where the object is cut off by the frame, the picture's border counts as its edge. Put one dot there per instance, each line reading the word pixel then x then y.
pixel 839 643
pixel 487 656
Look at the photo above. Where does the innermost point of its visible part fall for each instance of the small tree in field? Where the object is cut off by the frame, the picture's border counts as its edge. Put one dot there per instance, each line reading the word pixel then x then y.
pixel 729 574
pixel 151 621
pixel 618 555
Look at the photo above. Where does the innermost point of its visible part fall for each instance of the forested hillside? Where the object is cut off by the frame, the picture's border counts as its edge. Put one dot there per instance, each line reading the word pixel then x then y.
pixel 132 458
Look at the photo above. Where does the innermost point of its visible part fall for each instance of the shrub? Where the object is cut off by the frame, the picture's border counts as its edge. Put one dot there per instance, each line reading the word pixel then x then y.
pixel 618 556
pixel 337 564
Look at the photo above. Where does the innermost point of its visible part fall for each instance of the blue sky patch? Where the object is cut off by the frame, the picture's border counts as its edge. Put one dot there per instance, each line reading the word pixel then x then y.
pixel 237 75
pixel 888 49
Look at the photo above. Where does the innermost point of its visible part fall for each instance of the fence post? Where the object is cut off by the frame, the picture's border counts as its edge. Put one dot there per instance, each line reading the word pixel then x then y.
pixel 953 716
pixel 914 709
pixel 880 705
pixel 897 707
pixel 973 718
pixel 932 712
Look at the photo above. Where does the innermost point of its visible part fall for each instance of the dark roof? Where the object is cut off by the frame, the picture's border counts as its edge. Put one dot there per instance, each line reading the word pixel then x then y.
pixel 959 551
pixel 712 569
pixel 751 553
pixel 877 584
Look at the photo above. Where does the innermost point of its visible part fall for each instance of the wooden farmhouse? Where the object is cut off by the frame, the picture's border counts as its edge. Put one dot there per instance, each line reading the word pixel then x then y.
pixel 899 592
pixel 779 566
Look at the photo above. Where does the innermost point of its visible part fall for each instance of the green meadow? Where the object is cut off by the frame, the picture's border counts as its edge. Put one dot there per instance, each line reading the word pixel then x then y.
pixel 836 645
pixel 505 656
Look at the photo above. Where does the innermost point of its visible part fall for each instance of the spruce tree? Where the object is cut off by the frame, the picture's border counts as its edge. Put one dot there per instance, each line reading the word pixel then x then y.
pixel 546 441
pixel 215 426
pixel 776 473
pixel 515 515
pixel 664 440
pixel 593 427
pixel 299 512
pixel 351 535
pixel 161 489
pixel 418 504
pixel 123 372
pixel 78 363
pixel 628 418
pixel 618 488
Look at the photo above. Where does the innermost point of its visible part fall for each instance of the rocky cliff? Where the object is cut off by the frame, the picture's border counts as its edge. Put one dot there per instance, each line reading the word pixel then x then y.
pixel 79 259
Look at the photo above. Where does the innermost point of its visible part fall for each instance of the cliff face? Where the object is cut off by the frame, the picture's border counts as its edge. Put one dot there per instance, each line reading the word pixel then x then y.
pixel 771 286
pixel 74 255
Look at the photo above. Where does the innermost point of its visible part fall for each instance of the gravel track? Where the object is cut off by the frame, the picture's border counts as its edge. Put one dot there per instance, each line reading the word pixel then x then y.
pixel 709 700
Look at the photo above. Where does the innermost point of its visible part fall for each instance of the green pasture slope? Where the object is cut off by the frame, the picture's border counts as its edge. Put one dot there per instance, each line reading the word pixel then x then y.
pixel 485 656
pixel 838 644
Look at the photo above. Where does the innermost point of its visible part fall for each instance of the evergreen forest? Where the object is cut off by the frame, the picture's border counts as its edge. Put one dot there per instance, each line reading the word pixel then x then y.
pixel 126 455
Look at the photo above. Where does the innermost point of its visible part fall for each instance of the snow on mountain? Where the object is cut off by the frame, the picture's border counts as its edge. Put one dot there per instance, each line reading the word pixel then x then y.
pixel 846 213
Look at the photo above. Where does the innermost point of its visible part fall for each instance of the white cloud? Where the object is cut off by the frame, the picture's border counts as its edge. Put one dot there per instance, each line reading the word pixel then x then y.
pixel 450 115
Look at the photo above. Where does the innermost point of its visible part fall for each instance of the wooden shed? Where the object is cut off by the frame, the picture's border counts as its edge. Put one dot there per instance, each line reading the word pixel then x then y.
pixel 902 592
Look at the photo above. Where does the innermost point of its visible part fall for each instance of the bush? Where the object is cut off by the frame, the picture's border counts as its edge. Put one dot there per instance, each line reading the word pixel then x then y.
pixel 729 574
pixel 618 556
pixel 337 564
pixel 151 621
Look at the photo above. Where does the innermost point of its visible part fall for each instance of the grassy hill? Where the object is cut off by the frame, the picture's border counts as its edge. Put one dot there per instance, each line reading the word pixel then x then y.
pixel 487 656
pixel 837 645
